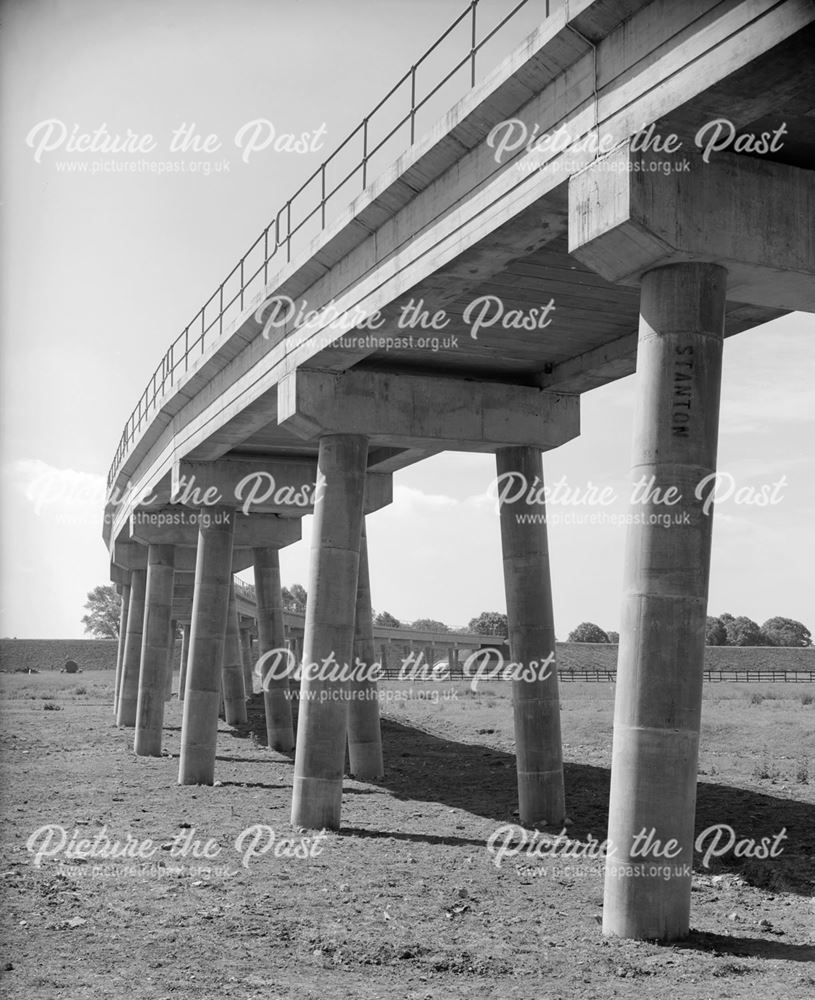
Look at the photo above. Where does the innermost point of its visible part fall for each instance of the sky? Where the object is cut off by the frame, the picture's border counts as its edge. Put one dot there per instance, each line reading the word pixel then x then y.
pixel 102 269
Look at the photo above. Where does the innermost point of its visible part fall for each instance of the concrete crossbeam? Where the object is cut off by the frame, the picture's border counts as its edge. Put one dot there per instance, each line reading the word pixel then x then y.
pixel 264 486
pixel 127 556
pixel 414 411
pixel 754 217
pixel 179 526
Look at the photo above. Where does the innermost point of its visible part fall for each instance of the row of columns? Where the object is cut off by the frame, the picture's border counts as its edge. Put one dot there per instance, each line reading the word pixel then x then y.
pixel 658 697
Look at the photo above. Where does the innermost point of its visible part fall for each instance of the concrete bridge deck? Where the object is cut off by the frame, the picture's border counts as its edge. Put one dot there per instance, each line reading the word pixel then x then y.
pixel 628 187
pixel 448 224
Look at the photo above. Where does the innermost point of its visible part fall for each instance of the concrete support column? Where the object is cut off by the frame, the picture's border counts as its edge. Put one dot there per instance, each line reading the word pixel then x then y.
pixel 662 633
pixel 451 660
pixel 536 702
pixel 185 653
pixel 168 685
pixel 364 731
pixel 271 636
pixel 332 590
pixel 154 651
pixel 120 652
pixel 232 669
pixel 210 605
pixel 131 659
pixel 247 661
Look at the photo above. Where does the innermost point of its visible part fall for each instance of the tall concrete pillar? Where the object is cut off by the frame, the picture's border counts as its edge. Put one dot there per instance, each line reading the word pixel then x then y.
pixel 131 659
pixel 247 661
pixel 182 667
pixel 536 702
pixel 662 633
pixel 120 651
pixel 334 567
pixel 210 606
pixel 232 669
pixel 271 636
pixel 168 682
pixel 154 651
pixel 364 730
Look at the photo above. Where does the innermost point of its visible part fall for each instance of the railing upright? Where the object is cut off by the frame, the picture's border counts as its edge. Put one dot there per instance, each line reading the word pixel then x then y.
pixel 392 98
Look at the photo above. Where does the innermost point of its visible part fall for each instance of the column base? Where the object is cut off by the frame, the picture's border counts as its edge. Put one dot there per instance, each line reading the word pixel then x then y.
pixel 279 728
pixel 197 764
pixel 541 798
pixel 316 803
pixel 126 718
pixel 365 760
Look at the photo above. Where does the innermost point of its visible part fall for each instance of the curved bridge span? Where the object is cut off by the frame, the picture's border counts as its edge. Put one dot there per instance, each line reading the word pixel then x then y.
pixel 630 186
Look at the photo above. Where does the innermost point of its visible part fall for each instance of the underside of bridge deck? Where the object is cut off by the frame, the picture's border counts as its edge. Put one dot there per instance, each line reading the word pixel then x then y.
pixel 497 283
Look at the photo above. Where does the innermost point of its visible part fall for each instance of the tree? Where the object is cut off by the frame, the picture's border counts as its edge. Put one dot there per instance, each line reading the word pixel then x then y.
pixel 588 632
pixel 743 631
pixel 490 623
pixel 715 632
pixel 429 625
pixel 104 608
pixel 386 619
pixel 294 598
pixel 613 637
pixel 786 632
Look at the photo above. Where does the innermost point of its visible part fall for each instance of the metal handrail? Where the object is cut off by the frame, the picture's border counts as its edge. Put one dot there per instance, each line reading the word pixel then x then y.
pixel 279 233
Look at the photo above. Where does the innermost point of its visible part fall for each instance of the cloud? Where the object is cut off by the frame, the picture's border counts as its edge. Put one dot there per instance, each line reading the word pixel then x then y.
pixel 408 499
pixel 52 490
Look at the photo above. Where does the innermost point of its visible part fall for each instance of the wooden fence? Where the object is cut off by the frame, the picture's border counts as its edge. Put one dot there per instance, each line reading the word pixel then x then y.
pixel 610 676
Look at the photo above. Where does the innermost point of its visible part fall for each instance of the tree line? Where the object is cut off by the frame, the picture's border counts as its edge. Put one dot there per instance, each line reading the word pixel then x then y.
pixel 103 606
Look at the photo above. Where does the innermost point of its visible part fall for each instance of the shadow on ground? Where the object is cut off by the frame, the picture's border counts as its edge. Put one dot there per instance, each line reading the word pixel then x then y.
pixel 424 767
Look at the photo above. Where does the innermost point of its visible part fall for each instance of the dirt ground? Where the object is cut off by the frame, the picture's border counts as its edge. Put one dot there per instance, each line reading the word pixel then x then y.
pixel 405 902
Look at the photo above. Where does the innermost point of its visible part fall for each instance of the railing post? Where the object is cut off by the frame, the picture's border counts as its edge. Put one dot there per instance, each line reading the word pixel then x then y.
pixel 168 366
pixel 364 153
pixel 412 103
pixel 472 47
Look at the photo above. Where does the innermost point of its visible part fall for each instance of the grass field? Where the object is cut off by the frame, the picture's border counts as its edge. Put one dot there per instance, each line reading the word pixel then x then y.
pixel 405 902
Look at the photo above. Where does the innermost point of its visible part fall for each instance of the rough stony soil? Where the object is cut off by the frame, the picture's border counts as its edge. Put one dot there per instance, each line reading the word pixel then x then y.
pixel 406 902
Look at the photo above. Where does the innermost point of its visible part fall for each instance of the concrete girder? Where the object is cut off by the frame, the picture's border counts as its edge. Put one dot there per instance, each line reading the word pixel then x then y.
pixel 127 556
pixel 179 526
pixel 753 217
pixel 264 486
pixel 417 411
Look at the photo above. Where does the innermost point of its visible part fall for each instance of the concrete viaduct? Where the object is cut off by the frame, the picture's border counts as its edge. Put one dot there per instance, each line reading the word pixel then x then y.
pixel 636 182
